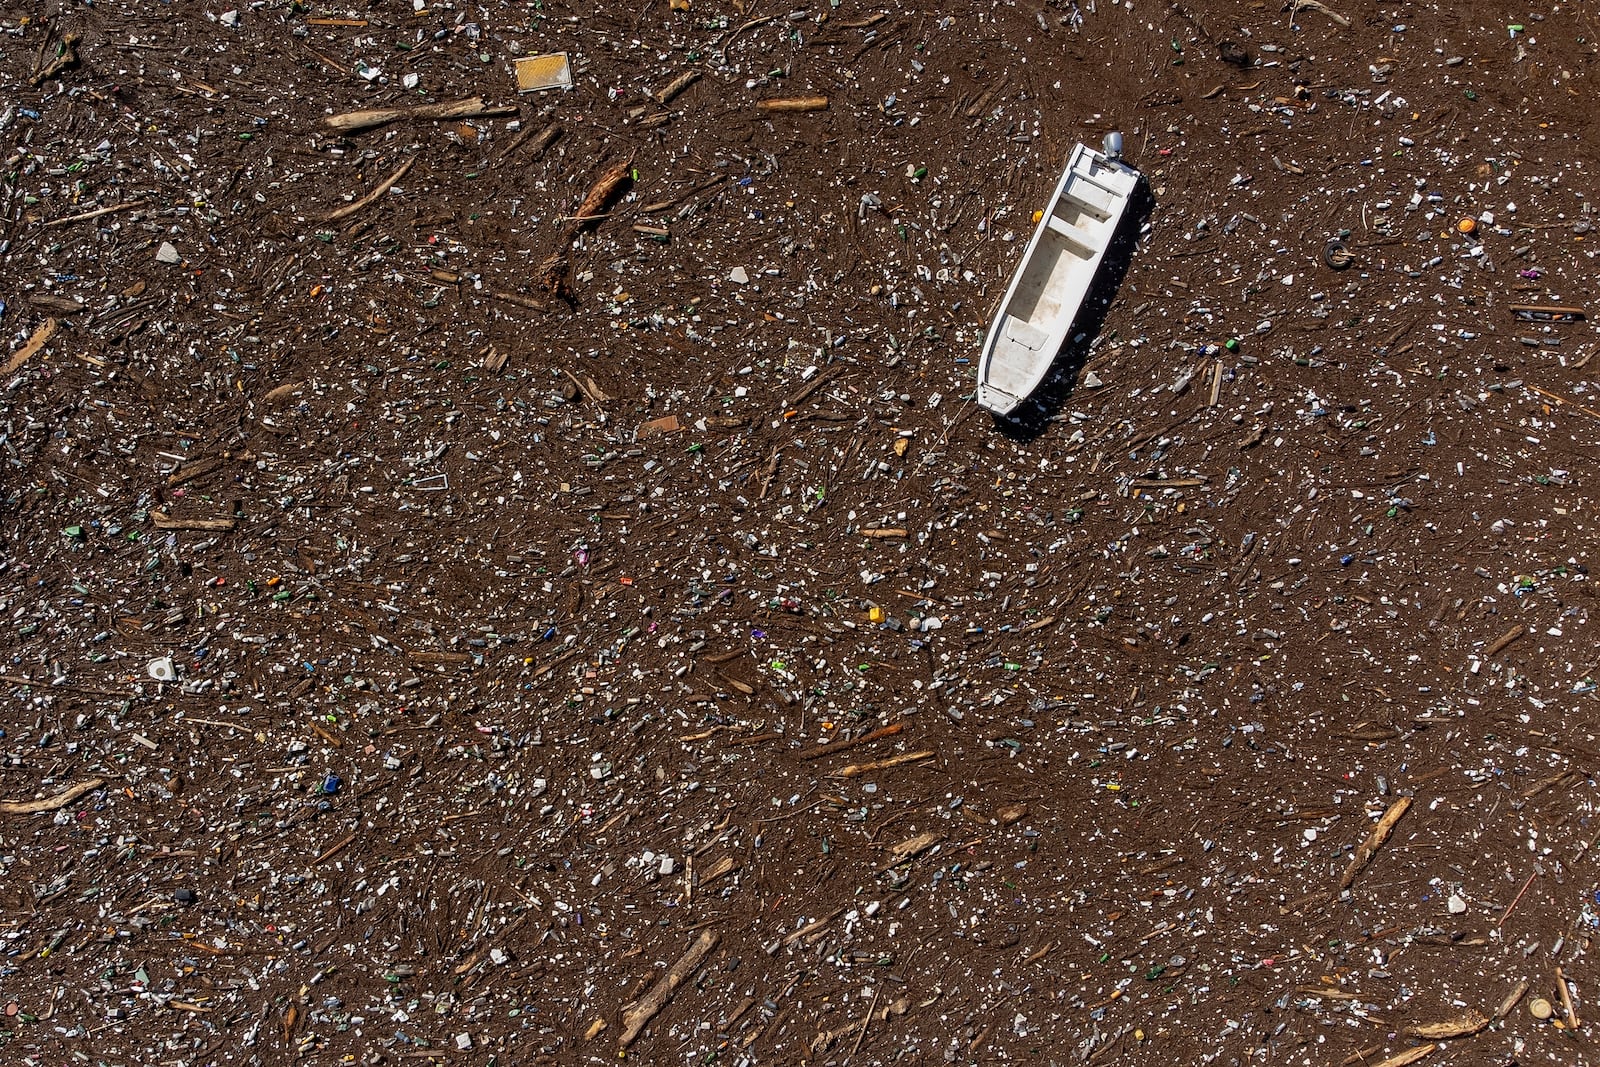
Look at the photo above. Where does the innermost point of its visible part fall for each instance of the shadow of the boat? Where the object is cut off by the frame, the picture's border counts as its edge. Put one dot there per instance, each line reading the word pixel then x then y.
pixel 1038 412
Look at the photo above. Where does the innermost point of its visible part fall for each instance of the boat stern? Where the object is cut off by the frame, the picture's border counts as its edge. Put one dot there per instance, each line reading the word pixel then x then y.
pixel 997 400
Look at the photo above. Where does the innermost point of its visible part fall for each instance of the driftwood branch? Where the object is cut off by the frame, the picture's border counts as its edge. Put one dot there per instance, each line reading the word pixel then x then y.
pixel 1374 841
pixel 605 190
pixel 855 770
pixel 55 803
pixel 40 338
pixel 96 213
pixel 378 191
pixel 866 738
pixel 1500 643
pixel 1313 5
pixel 372 118
pixel 1409 1056
pixel 66 56
pixel 162 521
pixel 638 1014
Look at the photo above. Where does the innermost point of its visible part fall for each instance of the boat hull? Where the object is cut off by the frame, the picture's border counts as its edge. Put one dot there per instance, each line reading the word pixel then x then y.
pixel 1054 278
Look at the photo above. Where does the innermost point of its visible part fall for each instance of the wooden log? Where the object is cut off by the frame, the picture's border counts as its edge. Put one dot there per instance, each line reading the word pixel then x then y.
pixel 638 1014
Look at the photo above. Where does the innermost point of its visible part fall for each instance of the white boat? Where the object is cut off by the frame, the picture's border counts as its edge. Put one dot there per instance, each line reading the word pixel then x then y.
pixel 1057 271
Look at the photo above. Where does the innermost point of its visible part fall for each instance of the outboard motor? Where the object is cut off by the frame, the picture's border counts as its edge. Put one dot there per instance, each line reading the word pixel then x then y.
pixel 1113 146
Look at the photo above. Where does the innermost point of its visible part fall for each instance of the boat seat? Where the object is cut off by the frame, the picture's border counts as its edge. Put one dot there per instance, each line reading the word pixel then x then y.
pixel 1088 173
pixel 1100 201
pixel 1026 334
pixel 1079 242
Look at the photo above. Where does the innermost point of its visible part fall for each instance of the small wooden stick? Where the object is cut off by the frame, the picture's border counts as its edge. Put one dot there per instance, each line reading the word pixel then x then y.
pixel 884 533
pixel 748 25
pixel 547 137
pixel 334 849
pixel 720 869
pixel 1410 1055
pixel 816 383
pixel 1546 312
pixel 866 738
pixel 1562 401
pixel 1313 5
pixel 793 103
pixel 1518 991
pixel 378 190
pixel 601 194
pixel 770 472
pixel 17 679
pixel 1503 640
pixel 518 299
pixel 1465 1025
pixel 855 770
pixel 1567 1007
pixel 809 928
pixel 1515 900
pixel 55 803
pixel 1374 842
pixel 677 85
pixel 96 213
pixel 587 387
pixel 862 1036
pixel 662 205
pixel 912 847
pixel 160 521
